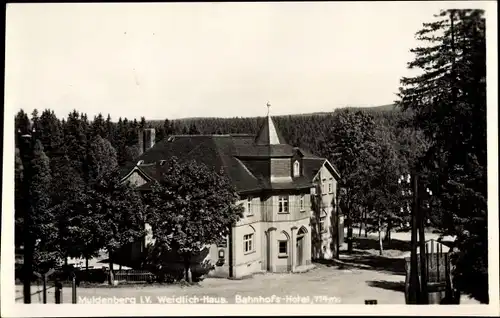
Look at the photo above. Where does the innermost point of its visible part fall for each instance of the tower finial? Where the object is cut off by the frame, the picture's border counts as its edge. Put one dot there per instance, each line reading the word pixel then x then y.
pixel 268 107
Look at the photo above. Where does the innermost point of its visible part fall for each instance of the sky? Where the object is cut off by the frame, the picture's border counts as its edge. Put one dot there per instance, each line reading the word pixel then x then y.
pixel 176 60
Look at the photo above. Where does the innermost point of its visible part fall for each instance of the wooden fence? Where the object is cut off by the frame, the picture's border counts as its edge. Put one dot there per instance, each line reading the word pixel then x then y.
pixel 133 275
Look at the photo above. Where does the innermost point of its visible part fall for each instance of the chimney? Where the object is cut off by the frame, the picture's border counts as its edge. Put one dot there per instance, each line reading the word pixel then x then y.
pixel 140 137
pixel 146 139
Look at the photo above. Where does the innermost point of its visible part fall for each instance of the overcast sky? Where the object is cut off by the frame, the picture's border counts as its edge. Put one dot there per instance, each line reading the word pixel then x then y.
pixel 164 60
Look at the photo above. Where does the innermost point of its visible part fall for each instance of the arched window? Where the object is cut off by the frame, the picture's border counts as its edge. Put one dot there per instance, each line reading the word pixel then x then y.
pixel 296 169
pixel 283 242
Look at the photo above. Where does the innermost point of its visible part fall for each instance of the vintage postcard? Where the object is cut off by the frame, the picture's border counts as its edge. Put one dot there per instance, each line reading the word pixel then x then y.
pixel 254 158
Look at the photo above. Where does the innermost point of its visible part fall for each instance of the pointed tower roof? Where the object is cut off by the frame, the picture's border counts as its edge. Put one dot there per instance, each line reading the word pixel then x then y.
pixel 268 134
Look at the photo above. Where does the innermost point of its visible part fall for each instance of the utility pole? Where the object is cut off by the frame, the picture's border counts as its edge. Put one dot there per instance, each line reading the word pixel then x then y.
pixel 421 237
pixel 414 287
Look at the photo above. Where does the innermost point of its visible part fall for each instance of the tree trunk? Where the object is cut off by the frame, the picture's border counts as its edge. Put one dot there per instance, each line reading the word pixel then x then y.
pixel 349 235
pixel 187 268
pixel 111 276
pixel 87 264
pixel 360 225
pixel 388 232
pixel 365 221
pixel 381 246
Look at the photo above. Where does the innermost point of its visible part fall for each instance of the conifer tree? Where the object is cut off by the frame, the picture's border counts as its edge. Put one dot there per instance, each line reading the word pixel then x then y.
pixel 193 130
pixel 22 125
pixel 49 132
pixel 109 130
pixel 98 127
pixel 448 100
pixel 143 124
pixel 75 140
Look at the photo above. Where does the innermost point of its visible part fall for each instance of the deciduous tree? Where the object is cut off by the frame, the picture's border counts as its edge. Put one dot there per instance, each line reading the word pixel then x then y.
pixel 118 210
pixel 192 207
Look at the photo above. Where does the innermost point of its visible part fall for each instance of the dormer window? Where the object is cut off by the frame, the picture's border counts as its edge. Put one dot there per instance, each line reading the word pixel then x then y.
pixel 296 168
pixel 249 206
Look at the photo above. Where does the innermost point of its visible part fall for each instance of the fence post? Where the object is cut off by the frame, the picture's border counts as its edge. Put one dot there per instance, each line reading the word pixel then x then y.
pixel 73 289
pixel 58 291
pixel 45 288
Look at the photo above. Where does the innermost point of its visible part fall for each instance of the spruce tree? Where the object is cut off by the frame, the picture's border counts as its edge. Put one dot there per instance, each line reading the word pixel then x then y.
pixel 193 130
pixel 143 124
pixel 49 132
pixel 75 140
pixel 98 127
pixel 448 100
pixel 22 125
pixel 109 129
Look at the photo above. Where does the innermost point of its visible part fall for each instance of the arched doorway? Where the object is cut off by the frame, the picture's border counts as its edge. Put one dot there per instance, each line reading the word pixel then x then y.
pixel 300 245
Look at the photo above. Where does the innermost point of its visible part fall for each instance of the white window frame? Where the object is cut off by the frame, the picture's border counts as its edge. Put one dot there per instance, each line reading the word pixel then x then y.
pixel 283 204
pixel 302 203
pixel 330 187
pixel 285 254
pixel 296 168
pixel 249 206
pixel 248 244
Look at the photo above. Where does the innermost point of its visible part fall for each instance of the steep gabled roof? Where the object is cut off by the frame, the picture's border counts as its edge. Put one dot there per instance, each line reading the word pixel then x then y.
pixel 245 159
pixel 268 134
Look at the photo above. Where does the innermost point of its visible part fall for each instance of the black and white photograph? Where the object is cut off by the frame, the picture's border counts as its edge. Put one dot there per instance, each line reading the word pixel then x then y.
pixel 244 158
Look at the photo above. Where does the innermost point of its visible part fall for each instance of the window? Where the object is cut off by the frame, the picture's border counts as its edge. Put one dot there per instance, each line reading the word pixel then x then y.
pixel 282 248
pixel 248 243
pixel 296 169
pixel 324 188
pixel 330 187
pixel 301 203
pixel 322 228
pixel 249 206
pixel 283 204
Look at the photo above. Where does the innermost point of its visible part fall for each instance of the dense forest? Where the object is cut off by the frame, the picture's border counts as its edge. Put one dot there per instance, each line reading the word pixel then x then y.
pixel 305 131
